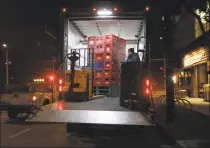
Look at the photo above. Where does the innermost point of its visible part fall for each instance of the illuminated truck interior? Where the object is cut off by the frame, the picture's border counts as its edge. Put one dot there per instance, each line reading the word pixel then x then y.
pixel 102 21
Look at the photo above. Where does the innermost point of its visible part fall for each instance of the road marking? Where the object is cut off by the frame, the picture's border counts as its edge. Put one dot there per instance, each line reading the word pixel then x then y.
pixel 191 143
pixel 166 146
pixel 20 133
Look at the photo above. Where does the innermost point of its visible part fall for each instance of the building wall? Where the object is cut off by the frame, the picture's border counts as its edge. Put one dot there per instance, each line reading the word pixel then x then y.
pixel 184 31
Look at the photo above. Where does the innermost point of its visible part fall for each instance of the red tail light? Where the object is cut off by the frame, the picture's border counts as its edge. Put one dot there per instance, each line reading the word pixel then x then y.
pixel 147 82
pixel 60 88
pixel 147 88
pixel 60 81
pixel 147 91
pixel 34 98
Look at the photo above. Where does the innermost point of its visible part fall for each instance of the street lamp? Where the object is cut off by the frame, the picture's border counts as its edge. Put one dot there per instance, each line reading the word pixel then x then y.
pixel 7 62
pixel 4 45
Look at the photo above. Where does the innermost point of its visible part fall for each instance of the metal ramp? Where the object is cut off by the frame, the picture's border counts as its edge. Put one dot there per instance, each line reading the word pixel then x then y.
pixel 90 117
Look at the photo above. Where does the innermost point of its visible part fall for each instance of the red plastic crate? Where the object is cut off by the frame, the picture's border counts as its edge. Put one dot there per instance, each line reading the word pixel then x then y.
pixel 110 39
pixel 107 65
pixel 107 73
pixel 99 49
pixel 108 57
pixel 91 41
pixel 99 57
pixel 99 40
pixel 98 82
pixel 107 82
pixel 107 48
pixel 98 74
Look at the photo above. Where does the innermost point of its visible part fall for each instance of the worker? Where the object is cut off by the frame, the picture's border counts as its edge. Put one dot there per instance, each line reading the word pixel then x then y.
pixel 132 56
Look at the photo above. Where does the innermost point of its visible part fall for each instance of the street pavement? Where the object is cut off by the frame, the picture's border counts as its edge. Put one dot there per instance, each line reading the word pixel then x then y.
pixel 17 133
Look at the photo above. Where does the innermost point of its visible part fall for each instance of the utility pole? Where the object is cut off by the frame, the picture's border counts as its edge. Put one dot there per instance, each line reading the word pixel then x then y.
pixel 7 67
pixel 168 63
pixel 1 73
pixel 6 62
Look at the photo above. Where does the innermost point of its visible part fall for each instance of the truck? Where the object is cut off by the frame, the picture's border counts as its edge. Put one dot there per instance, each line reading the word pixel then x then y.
pixel 42 91
pixel 76 26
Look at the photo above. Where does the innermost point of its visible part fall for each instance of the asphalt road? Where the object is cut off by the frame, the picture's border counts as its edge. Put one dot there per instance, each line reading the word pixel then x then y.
pixel 18 133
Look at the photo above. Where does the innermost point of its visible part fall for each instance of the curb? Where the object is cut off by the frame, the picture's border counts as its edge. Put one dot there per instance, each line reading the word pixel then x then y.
pixel 170 138
pixel 166 134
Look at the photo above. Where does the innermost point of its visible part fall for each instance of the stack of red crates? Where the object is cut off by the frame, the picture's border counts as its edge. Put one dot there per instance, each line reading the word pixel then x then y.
pixel 109 51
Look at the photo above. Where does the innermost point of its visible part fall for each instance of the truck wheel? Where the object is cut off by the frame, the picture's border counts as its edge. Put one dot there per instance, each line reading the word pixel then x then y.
pixel 12 114
pixel 130 104
pixel 46 102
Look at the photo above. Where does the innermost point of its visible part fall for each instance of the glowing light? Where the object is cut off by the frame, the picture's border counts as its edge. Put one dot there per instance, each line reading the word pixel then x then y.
pixel 51 78
pixel 147 91
pixel 174 78
pixel 34 98
pixel 60 81
pixel 104 12
pixel 64 10
pixel 195 57
pixel 147 8
pixel 147 82
pixel 4 45
pixel 60 88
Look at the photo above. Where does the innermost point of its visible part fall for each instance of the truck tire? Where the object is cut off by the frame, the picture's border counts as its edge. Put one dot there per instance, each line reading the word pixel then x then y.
pixel 12 113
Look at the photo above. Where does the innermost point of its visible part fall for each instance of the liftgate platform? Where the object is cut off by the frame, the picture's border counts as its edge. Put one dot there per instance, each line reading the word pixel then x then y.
pixel 92 117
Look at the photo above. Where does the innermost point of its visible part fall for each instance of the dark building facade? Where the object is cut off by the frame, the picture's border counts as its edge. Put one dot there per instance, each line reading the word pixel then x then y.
pixel 193 47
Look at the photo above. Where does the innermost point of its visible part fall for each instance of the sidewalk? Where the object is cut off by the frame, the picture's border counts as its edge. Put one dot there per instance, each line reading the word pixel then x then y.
pixel 199 105
pixel 190 129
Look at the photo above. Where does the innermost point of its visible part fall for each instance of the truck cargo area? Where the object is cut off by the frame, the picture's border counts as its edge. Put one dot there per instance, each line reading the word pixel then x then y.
pixel 79 29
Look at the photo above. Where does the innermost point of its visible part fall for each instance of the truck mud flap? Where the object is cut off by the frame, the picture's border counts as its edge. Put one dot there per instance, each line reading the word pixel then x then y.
pixel 90 117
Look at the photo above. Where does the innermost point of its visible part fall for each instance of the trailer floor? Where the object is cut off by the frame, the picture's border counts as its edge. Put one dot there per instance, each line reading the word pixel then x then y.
pixel 102 104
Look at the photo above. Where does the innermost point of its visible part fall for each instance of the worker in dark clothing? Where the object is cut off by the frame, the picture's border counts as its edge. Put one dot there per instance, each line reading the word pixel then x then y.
pixel 132 56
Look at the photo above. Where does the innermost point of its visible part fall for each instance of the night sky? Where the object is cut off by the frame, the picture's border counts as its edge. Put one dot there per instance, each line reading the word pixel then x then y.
pixel 19 16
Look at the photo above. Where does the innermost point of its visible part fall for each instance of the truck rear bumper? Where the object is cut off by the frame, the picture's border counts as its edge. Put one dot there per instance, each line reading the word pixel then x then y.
pixel 27 108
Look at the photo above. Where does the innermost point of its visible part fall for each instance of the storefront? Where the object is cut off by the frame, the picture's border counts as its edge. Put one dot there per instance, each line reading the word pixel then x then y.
pixel 194 73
